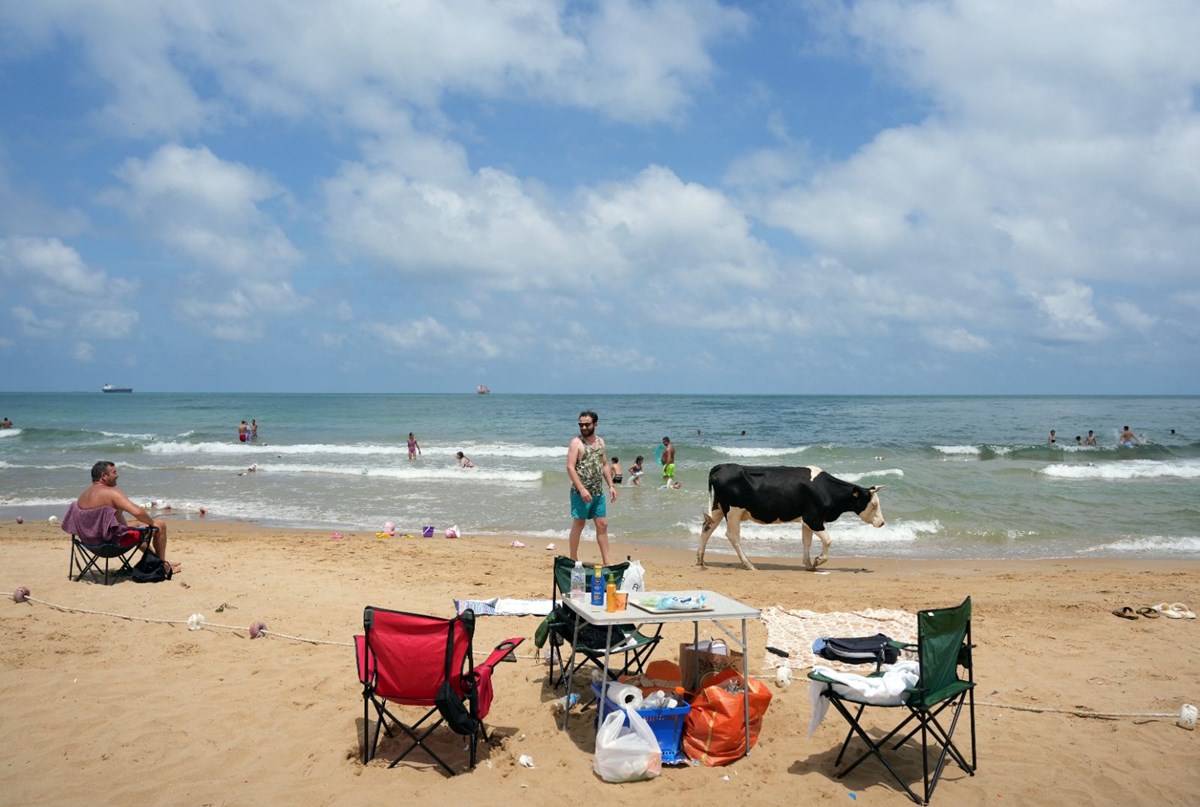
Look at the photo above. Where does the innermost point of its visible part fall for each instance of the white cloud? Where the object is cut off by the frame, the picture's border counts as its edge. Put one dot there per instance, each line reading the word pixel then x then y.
pixel 83 352
pixel 208 209
pixel 628 60
pixel 1069 314
pixel 238 314
pixel 493 230
pixel 1133 316
pixel 51 278
pixel 956 340
pixel 425 337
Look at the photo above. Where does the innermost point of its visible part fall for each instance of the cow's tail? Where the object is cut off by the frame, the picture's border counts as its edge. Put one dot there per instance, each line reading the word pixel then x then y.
pixel 708 513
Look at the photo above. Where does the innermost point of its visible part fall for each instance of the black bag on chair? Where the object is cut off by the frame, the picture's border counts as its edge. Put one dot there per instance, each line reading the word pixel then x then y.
pixel 877 649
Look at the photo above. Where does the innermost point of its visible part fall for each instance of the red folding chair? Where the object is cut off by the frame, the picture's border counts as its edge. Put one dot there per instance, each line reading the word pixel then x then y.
pixel 404 660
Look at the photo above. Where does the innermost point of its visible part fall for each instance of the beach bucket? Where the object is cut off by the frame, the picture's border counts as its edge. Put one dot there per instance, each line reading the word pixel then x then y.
pixel 427 531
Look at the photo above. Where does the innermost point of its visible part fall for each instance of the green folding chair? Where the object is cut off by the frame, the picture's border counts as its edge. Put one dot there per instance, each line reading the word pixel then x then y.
pixel 943 646
pixel 630 645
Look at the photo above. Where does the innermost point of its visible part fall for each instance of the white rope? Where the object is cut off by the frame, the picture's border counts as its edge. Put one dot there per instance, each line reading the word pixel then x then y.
pixel 263 631
pixel 1077 712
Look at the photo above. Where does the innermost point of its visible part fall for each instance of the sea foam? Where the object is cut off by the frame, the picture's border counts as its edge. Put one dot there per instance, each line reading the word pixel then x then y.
pixel 1133 469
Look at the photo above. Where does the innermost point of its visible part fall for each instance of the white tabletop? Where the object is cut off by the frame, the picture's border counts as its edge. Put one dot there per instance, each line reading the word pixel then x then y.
pixel 717 606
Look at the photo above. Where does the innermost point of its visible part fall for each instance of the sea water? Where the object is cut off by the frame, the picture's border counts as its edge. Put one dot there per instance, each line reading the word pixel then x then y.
pixel 964 477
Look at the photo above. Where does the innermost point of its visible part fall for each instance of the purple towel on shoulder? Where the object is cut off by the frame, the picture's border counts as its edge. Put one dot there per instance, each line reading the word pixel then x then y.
pixel 98 525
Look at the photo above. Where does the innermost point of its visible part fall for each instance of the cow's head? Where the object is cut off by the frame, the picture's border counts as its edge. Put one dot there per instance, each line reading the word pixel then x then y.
pixel 873 513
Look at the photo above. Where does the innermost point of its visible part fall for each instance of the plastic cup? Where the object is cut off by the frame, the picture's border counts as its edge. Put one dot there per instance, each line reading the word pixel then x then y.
pixel 621 598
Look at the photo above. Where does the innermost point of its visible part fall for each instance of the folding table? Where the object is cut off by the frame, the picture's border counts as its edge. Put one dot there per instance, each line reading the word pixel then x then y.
pixel 717 608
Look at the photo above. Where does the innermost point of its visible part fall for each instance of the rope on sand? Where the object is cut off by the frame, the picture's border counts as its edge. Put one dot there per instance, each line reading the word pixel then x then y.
pixel 194 622
pixel 1077 712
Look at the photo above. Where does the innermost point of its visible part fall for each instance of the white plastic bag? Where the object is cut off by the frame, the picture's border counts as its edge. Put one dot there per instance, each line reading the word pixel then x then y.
pixel 634 579
pixel 626 754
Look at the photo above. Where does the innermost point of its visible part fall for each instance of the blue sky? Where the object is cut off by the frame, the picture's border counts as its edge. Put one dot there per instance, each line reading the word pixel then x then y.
pixel 822 196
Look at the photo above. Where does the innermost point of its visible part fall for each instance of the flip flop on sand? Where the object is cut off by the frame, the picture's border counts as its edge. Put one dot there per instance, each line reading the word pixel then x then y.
pixel 1148 612
pixel 1125 613
pixel 1183 611
pixel 1168 610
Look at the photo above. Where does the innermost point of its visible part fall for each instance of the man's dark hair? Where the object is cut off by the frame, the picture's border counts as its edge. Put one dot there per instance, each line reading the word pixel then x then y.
pixel 587 413
pixel 100 469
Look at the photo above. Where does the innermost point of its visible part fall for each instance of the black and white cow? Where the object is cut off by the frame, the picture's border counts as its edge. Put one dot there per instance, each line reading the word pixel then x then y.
pixel 779 495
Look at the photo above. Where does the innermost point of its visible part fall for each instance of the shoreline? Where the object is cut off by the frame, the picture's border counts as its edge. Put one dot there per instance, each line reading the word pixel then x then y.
pixel 719 549
pixel 227 720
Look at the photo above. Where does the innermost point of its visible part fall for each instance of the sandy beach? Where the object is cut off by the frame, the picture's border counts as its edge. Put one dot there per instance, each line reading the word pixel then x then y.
pixel 100 708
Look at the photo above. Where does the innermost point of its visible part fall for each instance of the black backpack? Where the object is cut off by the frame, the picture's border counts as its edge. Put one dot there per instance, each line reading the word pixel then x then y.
pixel 877 649
pixel 151 569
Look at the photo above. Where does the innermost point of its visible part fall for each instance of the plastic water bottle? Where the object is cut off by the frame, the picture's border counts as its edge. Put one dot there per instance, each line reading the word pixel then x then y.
pixel 578 581
pixel 564 703
pixel 597 588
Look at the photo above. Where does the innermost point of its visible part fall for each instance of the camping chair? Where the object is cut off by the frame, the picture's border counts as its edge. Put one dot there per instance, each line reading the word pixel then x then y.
pixel 405 659
pixel 943 645
pixel 97 535
pixel 628 642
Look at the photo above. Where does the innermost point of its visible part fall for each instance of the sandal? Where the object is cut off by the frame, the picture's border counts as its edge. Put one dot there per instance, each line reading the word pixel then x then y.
pixel 1168 610
pixel 1183 611
pixel 1148 612
pixel 1125 613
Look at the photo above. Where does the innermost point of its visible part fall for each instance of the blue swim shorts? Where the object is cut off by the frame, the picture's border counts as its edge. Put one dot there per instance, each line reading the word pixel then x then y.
pixel 581 509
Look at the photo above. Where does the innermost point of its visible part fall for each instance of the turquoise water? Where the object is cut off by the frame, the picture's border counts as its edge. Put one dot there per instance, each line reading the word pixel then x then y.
pixel 964 476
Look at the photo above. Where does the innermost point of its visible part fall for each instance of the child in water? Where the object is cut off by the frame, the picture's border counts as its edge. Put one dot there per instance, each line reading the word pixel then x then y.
pixel 635 471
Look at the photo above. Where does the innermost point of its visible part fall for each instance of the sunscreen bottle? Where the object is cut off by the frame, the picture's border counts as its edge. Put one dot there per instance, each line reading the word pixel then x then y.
pixel 597 588
pixel 610 599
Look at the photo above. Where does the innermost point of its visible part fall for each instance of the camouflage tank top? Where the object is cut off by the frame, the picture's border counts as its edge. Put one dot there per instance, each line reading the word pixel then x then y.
pixel 590 467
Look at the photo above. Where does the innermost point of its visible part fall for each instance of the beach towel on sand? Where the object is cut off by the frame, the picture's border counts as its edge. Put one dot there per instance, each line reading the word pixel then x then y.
pixel 502 606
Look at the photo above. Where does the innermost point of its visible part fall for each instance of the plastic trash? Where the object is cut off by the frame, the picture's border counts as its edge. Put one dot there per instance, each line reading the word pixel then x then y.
pixel 559 705
pixel 626 754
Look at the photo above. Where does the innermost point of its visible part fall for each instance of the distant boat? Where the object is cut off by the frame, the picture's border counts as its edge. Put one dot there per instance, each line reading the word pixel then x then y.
pixel 482 390
pixel 111 388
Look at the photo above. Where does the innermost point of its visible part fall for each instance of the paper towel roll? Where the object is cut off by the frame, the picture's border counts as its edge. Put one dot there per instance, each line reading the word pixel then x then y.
pixel 625 696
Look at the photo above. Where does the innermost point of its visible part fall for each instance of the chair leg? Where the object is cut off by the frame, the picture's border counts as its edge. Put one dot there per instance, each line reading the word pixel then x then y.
pixel 873 750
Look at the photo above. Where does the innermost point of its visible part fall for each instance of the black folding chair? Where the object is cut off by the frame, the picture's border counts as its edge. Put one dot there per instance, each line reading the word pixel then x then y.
pixel 943 646
pixel 86 556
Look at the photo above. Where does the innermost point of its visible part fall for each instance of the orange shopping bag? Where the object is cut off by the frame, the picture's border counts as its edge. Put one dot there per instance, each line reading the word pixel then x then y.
pixel 715 730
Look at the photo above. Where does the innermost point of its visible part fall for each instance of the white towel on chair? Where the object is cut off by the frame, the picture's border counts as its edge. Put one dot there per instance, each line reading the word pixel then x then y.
pixel 883 690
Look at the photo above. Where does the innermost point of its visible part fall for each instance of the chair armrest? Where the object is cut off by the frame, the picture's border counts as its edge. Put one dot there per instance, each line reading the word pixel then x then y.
pixel 503 651
pixel 365 659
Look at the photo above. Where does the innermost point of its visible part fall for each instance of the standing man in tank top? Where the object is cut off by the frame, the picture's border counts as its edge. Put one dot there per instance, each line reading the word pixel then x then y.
pixel 590 472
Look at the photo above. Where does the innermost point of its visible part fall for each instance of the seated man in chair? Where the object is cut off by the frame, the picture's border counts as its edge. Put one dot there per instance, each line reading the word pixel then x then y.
pixel 104 493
